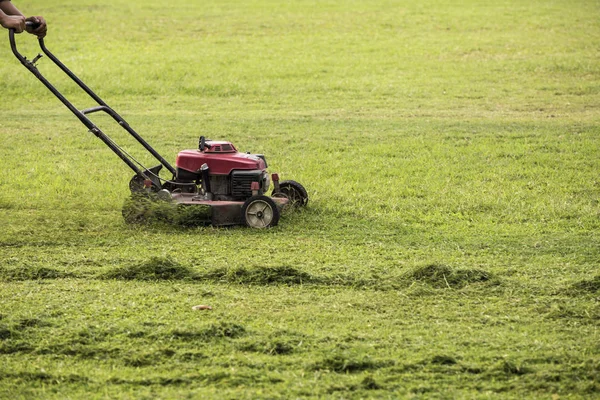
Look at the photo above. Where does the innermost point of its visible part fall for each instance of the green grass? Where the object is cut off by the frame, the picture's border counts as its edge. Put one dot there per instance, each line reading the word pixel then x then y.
pixel 450 248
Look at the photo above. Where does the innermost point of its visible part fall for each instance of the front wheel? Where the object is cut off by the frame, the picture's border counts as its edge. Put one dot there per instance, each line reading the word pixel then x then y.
pixel 295 193
pixel 260 212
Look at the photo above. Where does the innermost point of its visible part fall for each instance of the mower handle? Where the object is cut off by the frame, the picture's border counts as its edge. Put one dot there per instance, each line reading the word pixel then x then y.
pixel 81 114
pixel 13 45
pixel 32 25
pixel 29 25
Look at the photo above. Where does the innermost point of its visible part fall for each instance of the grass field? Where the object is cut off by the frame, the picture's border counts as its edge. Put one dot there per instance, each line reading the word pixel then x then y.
pixel 450 248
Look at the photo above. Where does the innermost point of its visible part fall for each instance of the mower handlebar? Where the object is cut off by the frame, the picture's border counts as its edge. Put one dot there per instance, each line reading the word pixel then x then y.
pixel 80 114
pixel 13 45
pixel 32 25
pixel 29 26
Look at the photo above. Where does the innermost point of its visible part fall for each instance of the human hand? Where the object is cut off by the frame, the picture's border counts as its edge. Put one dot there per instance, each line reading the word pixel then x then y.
pixel 40 26
pixel 16 22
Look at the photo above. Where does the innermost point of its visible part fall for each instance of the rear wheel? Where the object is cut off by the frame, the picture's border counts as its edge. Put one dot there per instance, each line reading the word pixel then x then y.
pixel 136 184
pixel 260 212
pixel 294 191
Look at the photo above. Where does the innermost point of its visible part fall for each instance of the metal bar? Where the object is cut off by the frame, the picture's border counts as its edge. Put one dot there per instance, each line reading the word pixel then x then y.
pixel 107 109
pixel 85 120
pixel 70 74
pixel 93 109
pixel 33 69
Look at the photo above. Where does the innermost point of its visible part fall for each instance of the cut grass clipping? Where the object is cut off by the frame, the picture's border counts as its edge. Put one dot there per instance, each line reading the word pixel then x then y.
pixel 155 269
pixel 441 276
pixel 149 209
pixel 28 273
pixel 167 269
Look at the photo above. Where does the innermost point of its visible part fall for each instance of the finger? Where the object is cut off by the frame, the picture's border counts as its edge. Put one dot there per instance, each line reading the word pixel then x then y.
pixel 40 31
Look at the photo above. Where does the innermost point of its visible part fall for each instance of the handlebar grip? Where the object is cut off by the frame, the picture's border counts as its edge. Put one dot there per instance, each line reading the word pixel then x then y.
pixel 32 25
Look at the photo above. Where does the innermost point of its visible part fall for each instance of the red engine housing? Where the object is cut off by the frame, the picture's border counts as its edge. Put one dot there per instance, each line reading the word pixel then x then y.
pixel 222 158
pixel 231 175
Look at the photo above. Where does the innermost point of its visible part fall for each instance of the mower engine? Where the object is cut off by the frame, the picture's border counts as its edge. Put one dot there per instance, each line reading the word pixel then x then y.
pixel 223 172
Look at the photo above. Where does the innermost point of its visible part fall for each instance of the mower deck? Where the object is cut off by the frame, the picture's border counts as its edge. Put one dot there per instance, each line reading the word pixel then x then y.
pixel 222 213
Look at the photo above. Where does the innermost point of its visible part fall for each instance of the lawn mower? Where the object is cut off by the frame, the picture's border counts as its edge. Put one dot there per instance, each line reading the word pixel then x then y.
pixel 232 185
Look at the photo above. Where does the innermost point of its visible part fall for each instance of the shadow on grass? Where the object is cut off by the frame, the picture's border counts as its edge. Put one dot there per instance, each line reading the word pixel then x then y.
pixel 586 286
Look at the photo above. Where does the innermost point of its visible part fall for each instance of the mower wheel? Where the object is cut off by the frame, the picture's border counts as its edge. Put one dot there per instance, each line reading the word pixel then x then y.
pixel 136 184
pixel 260 212
pixel 294 191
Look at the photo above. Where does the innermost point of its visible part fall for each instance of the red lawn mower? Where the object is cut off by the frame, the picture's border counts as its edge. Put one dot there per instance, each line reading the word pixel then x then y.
pixel 233 185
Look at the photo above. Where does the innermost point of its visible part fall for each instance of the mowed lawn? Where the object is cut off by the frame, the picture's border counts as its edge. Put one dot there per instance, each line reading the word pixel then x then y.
pixel 450 248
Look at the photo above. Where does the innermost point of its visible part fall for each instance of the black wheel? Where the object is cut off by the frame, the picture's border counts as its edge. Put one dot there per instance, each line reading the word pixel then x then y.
pixel 294 191
pixel 260 212
pixel 136 184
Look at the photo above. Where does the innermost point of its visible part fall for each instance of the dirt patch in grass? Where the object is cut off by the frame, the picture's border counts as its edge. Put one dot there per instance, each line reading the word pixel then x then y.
pixel 155 269
pixel 442 276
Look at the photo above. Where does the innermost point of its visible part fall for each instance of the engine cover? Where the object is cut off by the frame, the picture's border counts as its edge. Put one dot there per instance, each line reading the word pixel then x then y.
pixel 218 163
